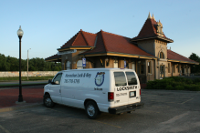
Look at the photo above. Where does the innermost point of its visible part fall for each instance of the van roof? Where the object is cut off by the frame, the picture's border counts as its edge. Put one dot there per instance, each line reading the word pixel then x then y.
pixel 97 69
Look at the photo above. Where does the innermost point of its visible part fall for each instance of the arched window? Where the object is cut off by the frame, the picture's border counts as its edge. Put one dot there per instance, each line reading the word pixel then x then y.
pixel 161 55
pixel 149 67
pixel 79 64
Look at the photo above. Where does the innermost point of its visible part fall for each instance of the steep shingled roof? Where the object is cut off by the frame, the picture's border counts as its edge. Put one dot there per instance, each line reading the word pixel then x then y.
pixel 108 42
pixel 171 55
pixel 80 39
pixel 149 31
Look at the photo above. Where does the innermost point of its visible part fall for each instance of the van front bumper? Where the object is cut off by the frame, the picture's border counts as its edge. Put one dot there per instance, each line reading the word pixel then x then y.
pixel 125 108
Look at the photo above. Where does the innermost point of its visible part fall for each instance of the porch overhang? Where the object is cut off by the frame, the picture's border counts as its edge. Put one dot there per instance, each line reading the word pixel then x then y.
pixel 117 55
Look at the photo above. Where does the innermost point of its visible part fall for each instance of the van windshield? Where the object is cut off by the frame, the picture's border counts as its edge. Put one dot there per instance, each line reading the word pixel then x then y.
pixel 131 78
pixel 120 79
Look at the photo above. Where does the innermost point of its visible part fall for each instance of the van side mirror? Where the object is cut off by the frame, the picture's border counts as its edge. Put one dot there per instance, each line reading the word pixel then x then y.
pixel 49 81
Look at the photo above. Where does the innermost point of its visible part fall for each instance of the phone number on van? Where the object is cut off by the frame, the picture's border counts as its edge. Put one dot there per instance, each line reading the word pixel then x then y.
pixel 76 81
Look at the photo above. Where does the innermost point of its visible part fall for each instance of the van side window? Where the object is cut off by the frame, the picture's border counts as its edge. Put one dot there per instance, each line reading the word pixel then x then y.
pixel 131 78
pixel 120 79
pixel 56 80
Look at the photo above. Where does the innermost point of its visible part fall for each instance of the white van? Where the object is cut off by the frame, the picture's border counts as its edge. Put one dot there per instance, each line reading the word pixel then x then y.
pixel 110 90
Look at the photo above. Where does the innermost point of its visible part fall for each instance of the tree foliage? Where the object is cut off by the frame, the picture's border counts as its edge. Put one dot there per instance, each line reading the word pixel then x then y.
pixel 35 64
pixel 195 68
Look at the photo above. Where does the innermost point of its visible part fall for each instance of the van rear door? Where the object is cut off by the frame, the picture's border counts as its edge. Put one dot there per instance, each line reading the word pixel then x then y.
pixel 126 88
pixel 121 91
pixel 133 86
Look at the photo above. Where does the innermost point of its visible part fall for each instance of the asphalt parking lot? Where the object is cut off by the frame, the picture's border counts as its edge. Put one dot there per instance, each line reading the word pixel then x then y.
pixel 164 112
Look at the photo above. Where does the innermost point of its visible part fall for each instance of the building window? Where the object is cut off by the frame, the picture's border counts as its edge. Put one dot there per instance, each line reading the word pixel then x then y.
pixel 133 65
pixel 168 67
pixel 68 65
pixel 149 67
pixel 116 63
pixel 79 64
pixel 161 55
pixel 142 69
pixel 173 68
pixel 178 69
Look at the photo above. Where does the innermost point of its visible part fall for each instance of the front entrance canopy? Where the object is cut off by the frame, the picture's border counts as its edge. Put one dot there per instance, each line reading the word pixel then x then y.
pixel 54 58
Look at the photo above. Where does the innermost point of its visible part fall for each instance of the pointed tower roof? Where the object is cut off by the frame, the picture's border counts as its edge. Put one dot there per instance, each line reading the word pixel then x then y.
pixel 151 30
pixel 149 16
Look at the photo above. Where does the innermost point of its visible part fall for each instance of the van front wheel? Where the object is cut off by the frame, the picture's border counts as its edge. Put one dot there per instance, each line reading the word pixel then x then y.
pixel 91 110
pixel 47 101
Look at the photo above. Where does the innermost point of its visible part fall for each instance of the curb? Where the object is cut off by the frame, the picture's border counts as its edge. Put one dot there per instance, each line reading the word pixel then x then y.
pixel 21 107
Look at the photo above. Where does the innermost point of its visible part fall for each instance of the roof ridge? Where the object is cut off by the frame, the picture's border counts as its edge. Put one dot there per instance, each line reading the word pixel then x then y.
pixel 76 38
pixel 84 38
pixel 116 34
pixel 103 40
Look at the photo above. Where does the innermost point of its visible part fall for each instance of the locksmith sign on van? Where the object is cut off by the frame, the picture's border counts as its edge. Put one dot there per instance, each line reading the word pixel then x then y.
pixel 109 90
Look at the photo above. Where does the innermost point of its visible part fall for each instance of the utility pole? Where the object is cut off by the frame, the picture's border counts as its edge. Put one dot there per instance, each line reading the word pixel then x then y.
pixel 27 61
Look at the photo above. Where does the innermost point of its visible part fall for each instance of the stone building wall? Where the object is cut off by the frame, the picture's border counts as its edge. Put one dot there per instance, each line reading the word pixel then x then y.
pixel 30 73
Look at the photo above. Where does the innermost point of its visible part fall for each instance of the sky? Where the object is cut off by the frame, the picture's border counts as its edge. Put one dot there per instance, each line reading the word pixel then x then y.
pixel 48 24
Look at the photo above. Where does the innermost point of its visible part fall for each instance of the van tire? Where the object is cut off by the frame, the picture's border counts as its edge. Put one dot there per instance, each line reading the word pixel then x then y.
pixel 91 109
pixel 48 102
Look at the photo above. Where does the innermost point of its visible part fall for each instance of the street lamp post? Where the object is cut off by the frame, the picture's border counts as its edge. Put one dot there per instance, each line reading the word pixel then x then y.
pixel 20 34
pixel 27 61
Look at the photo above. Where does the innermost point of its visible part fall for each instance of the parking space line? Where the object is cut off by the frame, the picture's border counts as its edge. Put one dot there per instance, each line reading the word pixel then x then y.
pixel 187 101
pixel 108 124
pixel 5 130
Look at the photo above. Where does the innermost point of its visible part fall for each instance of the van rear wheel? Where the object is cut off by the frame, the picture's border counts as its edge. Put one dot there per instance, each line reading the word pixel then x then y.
pixel 47 101
pixel 92 110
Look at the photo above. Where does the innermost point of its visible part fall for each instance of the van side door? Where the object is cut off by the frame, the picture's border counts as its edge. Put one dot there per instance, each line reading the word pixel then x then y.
pixel 55 89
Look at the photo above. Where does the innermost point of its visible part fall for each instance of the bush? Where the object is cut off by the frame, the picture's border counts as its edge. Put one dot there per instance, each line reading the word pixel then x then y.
pixel 179 87
pixel 175 83
pixel 194 87
pixel 169 87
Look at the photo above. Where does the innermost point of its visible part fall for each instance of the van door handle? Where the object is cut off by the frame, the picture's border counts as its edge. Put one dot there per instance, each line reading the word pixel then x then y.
pixel 59 90
pixel 103 92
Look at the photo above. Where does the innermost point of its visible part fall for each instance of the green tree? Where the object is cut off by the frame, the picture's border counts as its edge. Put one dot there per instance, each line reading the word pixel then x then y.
pixel 35 64
pixel 195 68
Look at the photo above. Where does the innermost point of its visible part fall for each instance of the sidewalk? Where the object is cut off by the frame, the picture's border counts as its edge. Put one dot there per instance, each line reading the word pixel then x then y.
pixel 33 95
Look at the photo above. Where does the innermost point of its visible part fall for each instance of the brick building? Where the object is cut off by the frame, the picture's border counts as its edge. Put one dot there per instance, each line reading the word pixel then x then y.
pixel 146 53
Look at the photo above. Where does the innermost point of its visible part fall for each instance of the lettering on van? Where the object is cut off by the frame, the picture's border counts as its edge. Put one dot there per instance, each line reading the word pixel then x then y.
pixel 98 89
pixel 76 81
pixel 126 88
pixel 79 75
pixel 121 94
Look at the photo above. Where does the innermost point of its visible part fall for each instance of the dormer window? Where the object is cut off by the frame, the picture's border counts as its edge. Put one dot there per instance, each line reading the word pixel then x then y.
pixel 159 28
pixel 161 55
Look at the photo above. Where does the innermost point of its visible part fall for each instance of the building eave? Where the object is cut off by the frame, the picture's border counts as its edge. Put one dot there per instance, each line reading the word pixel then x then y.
pixel 153 37
pixel 180 61
pixel 54 60
pixel 75 47
pixel 117 54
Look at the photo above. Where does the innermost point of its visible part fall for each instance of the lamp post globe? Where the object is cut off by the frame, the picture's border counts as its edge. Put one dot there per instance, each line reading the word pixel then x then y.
pixel 20 34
